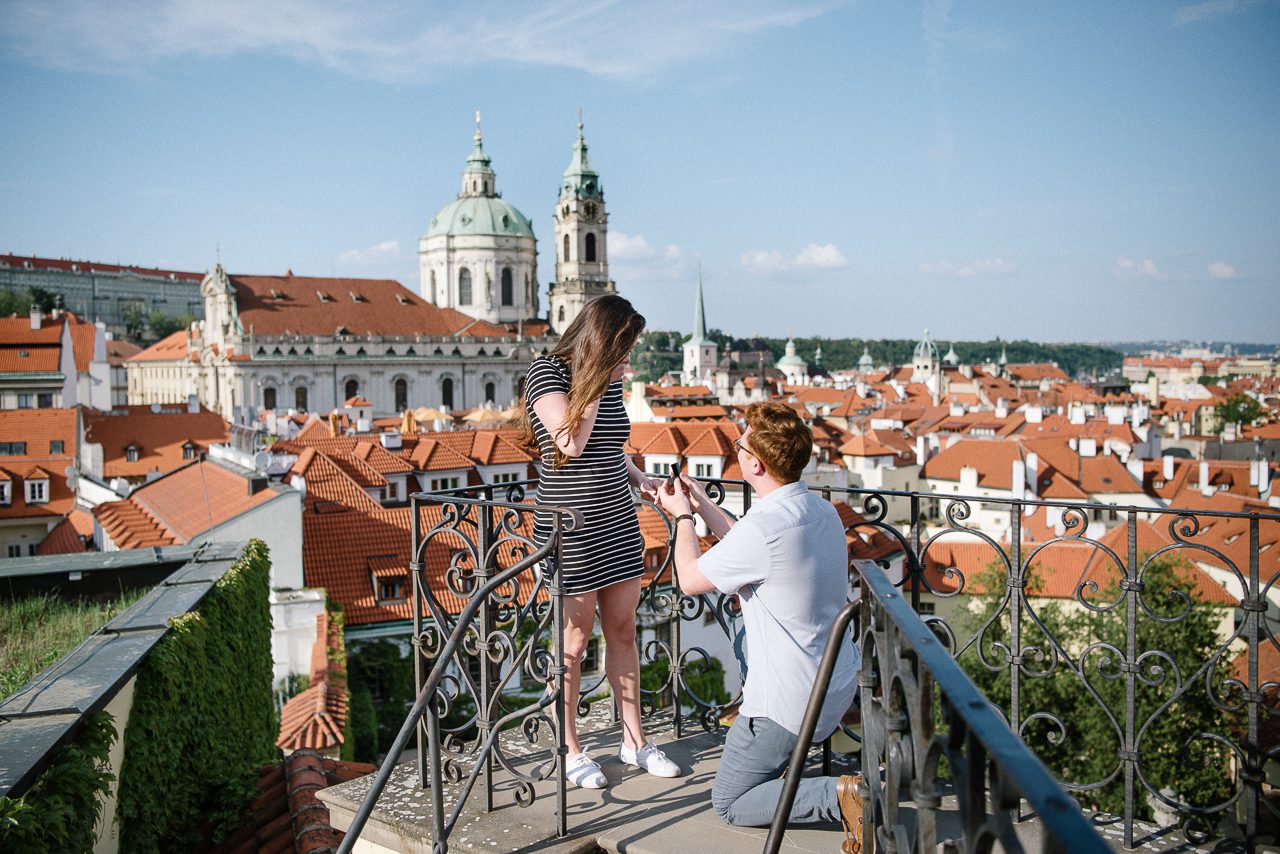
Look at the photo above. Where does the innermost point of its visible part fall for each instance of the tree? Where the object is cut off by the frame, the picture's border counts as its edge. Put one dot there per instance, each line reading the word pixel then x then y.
pixel 14 302
pixel 1072 710
pixel 162 325
pixel 1237 409
pixel 135 321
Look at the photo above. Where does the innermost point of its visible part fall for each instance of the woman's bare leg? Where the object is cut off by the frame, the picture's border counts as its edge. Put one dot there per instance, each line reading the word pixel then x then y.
pixel 621 659
pixel 579 621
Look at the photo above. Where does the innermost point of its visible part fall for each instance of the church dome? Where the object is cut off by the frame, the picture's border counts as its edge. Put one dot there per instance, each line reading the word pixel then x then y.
pixel 789 358
pixel 480 215
pixel 926 350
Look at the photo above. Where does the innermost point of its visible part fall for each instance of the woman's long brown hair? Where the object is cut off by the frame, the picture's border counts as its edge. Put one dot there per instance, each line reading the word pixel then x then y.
pixel 599 338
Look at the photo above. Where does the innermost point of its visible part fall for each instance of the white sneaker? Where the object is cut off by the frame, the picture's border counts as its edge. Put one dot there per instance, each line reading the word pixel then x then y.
pixel 651 759
pixel 583 772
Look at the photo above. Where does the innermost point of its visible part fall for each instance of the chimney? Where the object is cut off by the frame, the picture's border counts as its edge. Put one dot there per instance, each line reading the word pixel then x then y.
pixel 1035 415
pixel 257 483
pixel 968 480
pixel 1253 472
pixel 922 450
pixel 1019 482
pixel 193 403
pixel 1264 479
pixel 1002 409
pixel 1167 462
pixel 1206 488
pixel 1134 465
pixel 1088 447
pixel 36 317
pixel 1033 475
pixel 1153 391
pixel 1077 414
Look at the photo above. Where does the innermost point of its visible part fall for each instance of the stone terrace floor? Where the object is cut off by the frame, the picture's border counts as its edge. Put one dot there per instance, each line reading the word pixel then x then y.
pixel 636 814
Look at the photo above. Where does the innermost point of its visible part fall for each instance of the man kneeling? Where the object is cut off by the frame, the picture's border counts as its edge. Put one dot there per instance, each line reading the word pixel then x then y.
pixel 786 559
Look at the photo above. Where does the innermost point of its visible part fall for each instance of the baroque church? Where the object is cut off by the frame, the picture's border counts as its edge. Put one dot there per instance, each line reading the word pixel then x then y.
pixel 304 343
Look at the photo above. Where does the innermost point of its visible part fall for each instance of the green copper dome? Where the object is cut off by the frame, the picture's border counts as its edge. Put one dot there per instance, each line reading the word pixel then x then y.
pixel 480 215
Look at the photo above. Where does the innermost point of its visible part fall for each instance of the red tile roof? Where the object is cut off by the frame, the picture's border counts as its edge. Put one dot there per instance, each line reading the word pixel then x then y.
pixel 38 428
pixel 158 436
pixel 315 718
pixel 278 305
pixel 68 536
pixel 170 348
pixel 286 816
pixel 179 506
pixel 71 265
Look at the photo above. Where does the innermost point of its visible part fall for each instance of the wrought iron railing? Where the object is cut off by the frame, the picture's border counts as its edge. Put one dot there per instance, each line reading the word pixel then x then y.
pixel 478 553
pixel 909 689
pixel 1106 643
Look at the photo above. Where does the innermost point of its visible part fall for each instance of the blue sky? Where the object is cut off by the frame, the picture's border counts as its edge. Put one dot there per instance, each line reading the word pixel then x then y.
pixel 1054 171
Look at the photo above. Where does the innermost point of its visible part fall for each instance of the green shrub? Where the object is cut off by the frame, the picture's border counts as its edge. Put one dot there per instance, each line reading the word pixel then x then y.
pixel 362 721
pixel 203 719
pixel 704 677
pixel 59 811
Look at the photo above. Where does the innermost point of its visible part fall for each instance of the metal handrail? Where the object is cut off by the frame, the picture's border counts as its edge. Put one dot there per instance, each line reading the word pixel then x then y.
pixel 1019 769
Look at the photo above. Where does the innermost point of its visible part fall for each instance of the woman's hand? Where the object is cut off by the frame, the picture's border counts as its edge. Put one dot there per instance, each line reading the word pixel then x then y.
pixel 696 491
pixel 648 486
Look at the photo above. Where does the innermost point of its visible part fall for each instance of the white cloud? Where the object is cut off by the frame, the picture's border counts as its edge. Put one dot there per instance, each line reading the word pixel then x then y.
pixel 1127 268
pixel 1208 10
pixel 826 256
pixel 763 261
pixel 629 246
pixel 1223 270
pixel 997 266
pixel 386 40
pixel 388 250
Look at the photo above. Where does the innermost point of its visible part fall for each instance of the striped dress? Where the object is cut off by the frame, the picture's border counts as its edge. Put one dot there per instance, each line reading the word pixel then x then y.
pixel 608 548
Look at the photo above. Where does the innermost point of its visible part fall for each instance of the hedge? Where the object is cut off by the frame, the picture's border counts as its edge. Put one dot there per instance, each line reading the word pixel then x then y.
pixel 203 718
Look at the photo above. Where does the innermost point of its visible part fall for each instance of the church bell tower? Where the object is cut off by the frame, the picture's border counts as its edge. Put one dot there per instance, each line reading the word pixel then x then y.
pixel 582 227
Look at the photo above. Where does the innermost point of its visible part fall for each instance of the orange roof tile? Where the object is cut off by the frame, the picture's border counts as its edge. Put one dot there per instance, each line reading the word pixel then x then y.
pixel 159 437
pixel 315 718
pixel 198 497
pixel 170 348
pixel 29 360
pixel 65 538
pixel 276 305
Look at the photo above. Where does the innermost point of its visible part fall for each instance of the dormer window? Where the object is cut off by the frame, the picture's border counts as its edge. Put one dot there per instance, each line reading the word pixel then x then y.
pixel 189 451
pixel 38 490
pixel 355 297
pixel 324 297
pixel 56 446
pixel 4 493
pixel 132 453
pixel 404 300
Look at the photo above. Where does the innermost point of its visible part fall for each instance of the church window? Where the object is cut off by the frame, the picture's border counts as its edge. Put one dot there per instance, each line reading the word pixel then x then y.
pixel 490 392
pixel 268 398
pixel 560 318
pixel 446 392
pixel 351 389
pixel 464 286
pixel 300 398
pixel 566 248
pixel 401 387
pixel 508 290
pixel 431 294
pixel 591 247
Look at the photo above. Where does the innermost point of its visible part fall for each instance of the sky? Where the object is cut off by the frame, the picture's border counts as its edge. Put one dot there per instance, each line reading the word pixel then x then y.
pixel 1070 171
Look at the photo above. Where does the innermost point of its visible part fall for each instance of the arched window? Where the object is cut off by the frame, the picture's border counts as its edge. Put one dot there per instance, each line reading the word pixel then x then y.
pixel 351 389
pixel 591 247
pixel 566 248
pixel 561 318
pixel 402 394
pixel 269 398
pixel 431 295
pixel 464 286
pixel 508 290
pixel 446 392
pixel 490 392
pixel 300 398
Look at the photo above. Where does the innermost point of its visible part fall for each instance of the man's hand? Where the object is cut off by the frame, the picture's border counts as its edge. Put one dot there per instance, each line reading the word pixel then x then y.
pixel 649 486
pixel 696 491
pixel 673 498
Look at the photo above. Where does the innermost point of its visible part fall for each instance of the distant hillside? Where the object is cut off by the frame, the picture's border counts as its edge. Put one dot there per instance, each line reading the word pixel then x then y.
pixel 659 351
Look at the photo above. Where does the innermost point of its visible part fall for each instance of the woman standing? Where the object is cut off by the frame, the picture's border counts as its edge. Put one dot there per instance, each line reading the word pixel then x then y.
pixel 573 400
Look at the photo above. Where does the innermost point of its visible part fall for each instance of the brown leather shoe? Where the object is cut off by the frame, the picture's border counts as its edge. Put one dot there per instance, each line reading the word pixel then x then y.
pixel 850 801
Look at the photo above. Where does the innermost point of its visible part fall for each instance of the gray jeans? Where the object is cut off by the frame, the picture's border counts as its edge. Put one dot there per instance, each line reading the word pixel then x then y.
pixel 748 784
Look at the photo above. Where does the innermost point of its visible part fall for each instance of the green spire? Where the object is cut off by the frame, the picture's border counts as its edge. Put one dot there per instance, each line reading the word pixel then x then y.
pixel 580 180
pixel 699 316
pixel 478 162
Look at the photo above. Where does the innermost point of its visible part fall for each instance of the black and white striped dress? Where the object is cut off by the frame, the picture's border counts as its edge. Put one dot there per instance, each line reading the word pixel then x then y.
pixel 608 548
